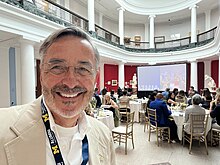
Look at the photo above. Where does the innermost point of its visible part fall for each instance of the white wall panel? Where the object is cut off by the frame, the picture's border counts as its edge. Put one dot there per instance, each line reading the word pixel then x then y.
pixel 4 78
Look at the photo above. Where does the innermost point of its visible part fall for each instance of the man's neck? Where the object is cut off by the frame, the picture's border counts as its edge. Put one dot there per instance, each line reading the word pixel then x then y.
pixel 65 122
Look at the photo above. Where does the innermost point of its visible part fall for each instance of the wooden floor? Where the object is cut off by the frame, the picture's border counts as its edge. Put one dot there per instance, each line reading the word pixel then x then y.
pixel 146 152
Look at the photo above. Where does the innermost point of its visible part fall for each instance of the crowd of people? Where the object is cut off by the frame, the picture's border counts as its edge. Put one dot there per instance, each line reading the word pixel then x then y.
pixel 193 101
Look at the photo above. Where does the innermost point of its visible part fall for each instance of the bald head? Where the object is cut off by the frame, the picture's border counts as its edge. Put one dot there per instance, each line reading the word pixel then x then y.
pixel 159 96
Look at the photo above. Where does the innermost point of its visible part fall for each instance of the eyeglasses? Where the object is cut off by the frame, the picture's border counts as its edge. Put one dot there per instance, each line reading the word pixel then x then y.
pixel 62 69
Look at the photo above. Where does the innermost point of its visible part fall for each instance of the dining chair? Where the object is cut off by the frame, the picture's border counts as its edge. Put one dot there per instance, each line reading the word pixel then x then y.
pixel 161 132
pixel 198 125
pixel 215 136
pixel 146 124
pixel 142 111
pixel 122 133
pixel 123 110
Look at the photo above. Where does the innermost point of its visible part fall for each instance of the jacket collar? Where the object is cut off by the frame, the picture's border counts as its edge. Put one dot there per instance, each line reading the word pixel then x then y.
pixel 28 147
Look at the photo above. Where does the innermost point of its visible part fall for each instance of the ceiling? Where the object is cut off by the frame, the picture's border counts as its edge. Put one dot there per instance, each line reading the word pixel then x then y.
pixel 109 9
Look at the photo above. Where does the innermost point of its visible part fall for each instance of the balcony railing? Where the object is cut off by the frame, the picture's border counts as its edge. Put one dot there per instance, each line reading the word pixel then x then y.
pixel 61 15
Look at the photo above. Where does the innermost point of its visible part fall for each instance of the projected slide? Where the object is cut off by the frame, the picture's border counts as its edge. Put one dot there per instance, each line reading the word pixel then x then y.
pixel 161 77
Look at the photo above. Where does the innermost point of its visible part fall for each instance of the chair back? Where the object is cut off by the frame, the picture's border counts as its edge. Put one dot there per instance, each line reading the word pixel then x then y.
pixel 198 123
pixel 123 104
pixel 123 107
pixel 152 115
pixel 143 106
pixel 130 122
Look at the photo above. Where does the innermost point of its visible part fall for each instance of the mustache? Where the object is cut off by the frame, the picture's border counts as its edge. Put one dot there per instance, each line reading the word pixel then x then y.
pixel 66 89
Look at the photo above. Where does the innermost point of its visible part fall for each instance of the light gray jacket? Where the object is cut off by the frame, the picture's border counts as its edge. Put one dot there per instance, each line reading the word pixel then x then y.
pixel 192 109
pixel 23 139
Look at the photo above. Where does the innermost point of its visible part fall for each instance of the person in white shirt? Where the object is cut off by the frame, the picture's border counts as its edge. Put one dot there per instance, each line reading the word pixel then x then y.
pixel 54 128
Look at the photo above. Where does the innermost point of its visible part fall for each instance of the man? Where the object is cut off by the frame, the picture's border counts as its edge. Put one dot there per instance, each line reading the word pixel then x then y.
pixel 166 93
pixel 163 116
pixel 54 128
pixel 124 101
pixel 191 91
pixel 98 99
pixel 194 108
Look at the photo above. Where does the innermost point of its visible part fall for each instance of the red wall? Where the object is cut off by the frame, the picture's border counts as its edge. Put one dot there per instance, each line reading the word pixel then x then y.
pixel 214 71
pixel 110 73
pixel 200 71
pixel 98 81
pixel 129 72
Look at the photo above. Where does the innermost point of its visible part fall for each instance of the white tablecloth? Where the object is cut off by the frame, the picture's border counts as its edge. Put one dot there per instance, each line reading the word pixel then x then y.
pixel 107 118
pixel 135 107
pixel 179 117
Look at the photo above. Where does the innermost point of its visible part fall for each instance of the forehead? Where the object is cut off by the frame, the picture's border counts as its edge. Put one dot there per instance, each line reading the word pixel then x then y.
pixel 71 49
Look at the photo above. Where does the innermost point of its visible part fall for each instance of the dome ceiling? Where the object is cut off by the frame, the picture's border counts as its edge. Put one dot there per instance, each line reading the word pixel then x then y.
pixel 148 7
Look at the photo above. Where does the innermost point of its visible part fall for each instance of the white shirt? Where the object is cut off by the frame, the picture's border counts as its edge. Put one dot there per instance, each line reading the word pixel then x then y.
pixel 69 140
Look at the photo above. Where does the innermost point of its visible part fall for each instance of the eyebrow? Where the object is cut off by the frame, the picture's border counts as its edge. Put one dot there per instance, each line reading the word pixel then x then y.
pixel 56 60
pixel 85 63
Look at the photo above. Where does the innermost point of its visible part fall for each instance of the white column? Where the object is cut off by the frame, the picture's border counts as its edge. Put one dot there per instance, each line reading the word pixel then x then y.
pixel 193 24
pixel 194 75
pixel 207 67
pixel 27 72
pixel 100 19
pixel 102 83
pixel 101 32
pixel 121 25
pixel 121 75
pixel 91 15
pixel 146 33
pixel 207 20
pixel 151 17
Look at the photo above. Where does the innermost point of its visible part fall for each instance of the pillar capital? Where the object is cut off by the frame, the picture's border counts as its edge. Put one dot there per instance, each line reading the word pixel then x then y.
pixel 120 9
pixel 152 16
pixel 193 7
pixel 192 61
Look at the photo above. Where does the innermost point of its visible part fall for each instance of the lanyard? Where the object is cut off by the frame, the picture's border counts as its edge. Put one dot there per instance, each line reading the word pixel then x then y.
pixel 54 143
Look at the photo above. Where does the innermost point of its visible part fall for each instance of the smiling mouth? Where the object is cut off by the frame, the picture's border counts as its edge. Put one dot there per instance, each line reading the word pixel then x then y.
pixel 68 95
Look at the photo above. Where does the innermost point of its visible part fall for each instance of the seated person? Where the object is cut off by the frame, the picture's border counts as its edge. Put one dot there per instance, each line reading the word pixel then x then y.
pixel 194 108
pixel 166 93
pixel 151 98
pixel 171 99
pixel 163 116
pixel 191 92
pixel 181 97
pixel 113 107
pixel 215 102
pixel 112 96
pixel 124 101
pixel 98 99
pixel 215 113
pixel 206 98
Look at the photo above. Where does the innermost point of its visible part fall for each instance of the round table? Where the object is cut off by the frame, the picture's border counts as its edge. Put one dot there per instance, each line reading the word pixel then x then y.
pixel 135 107
pixel 106 117
pixel 179 117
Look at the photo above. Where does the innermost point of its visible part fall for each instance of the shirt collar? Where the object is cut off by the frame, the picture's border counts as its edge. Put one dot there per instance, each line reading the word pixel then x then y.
pixel 83 124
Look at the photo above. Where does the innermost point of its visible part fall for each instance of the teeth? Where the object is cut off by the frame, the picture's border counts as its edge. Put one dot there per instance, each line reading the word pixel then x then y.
pixel 68 95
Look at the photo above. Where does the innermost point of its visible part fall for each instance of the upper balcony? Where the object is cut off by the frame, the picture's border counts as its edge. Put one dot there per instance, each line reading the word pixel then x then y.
pixel 60 15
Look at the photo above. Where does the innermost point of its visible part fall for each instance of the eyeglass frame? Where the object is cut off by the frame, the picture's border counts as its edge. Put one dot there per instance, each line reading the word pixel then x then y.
pixel 66 68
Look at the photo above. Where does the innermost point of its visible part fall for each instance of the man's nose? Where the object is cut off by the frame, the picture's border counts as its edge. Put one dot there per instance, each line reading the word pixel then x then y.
pixel 71 78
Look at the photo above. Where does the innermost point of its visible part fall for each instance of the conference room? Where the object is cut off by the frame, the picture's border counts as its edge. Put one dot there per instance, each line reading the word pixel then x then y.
pixel 144 46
